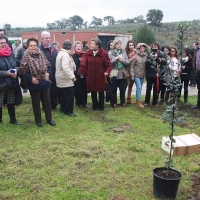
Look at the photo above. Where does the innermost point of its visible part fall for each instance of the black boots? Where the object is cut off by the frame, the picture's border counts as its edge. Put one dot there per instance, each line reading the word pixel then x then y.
pixel 11 112
pixel 1 122
pixel 185 97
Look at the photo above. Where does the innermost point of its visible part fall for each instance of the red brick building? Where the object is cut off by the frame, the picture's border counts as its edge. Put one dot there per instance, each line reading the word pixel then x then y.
pixel 61 36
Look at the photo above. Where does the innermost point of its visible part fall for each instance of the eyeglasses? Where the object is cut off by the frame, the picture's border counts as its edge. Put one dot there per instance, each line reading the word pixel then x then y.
pixel 2 43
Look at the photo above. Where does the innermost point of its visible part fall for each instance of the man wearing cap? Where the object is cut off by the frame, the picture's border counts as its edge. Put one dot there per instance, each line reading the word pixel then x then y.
pixel 16 46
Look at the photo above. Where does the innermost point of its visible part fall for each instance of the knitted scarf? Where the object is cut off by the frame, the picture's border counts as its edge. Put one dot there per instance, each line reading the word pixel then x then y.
pixel 6 52
pixel 119 64
pixel 185 59
pixel 37 63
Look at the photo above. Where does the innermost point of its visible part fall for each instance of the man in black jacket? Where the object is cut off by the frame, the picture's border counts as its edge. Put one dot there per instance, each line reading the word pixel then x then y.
pixel 196 58
pixel 51 54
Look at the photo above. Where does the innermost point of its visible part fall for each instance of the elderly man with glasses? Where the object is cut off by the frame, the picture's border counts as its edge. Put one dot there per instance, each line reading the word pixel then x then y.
pixel 51 54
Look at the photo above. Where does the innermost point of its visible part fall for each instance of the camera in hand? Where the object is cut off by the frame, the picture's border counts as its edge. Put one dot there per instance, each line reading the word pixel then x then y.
pixel 154 51
pixel 12 71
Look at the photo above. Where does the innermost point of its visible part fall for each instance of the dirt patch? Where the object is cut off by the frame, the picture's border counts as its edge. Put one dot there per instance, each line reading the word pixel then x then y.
pixel 119 198
pixel 187 109
pixel 102 119
pixel 118 130
pixel 185 125
pixel 81 154
pixel 196 186
pixel 123 128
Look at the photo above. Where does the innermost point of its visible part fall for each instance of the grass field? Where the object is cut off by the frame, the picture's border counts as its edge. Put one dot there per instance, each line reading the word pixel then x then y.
pixel 96 155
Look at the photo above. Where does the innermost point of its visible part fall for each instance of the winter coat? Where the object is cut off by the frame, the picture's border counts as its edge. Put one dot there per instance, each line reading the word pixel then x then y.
pixel 152 64
pixel 137 66
pixel 51 54
pixel 114 62
pixel 43 84
pixel 173 62
pixel 7 63
pixel 93 68
pixel 80 86
pixel 194 61
pixel 16 48
pixel 20 54
pixel 185 75
pixel 65 68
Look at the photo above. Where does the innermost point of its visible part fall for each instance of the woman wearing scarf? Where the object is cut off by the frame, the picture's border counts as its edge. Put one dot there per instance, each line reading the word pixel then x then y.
pixel 80 86
pixel 9 85
pixel 120 62
pixel 38 82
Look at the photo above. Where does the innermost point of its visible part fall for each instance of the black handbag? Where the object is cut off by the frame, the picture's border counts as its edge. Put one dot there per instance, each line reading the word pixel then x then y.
pixel 11 82
pixel 3 85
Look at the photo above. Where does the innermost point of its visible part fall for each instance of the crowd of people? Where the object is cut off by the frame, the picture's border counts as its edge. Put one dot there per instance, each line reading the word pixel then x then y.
pixel 66 76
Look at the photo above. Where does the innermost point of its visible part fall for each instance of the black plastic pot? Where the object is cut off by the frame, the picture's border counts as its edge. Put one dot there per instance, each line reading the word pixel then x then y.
pixel 164 188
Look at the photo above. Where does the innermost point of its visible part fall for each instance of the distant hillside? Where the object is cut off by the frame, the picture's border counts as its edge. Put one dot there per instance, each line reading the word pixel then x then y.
pixel 165 35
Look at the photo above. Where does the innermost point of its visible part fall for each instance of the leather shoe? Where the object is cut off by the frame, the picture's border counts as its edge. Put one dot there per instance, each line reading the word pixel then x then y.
pixel 51 122
pixel 71 114
pixel 39 124
pixel 195 107
pixel 14 121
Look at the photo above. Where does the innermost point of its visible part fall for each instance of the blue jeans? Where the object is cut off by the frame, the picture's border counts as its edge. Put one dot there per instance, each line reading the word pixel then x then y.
pixel 138 83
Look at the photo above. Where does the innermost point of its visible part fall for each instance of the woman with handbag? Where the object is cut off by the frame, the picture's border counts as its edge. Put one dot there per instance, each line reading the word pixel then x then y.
pixel 120 62
pixel 8 80
pixel 131 53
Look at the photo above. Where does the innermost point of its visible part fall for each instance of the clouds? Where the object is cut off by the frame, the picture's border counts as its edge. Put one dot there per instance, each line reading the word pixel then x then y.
pixel 28 13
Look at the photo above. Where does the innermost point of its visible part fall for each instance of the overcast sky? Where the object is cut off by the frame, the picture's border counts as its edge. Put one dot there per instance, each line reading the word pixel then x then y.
pixel 33 13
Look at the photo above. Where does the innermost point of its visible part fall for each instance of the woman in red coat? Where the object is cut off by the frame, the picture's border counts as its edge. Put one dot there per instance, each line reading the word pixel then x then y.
pixel 95 65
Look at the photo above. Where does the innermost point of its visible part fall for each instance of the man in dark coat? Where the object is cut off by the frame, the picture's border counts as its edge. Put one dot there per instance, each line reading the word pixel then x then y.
pixel 51 54
pixel 197 70
pixel 95 67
